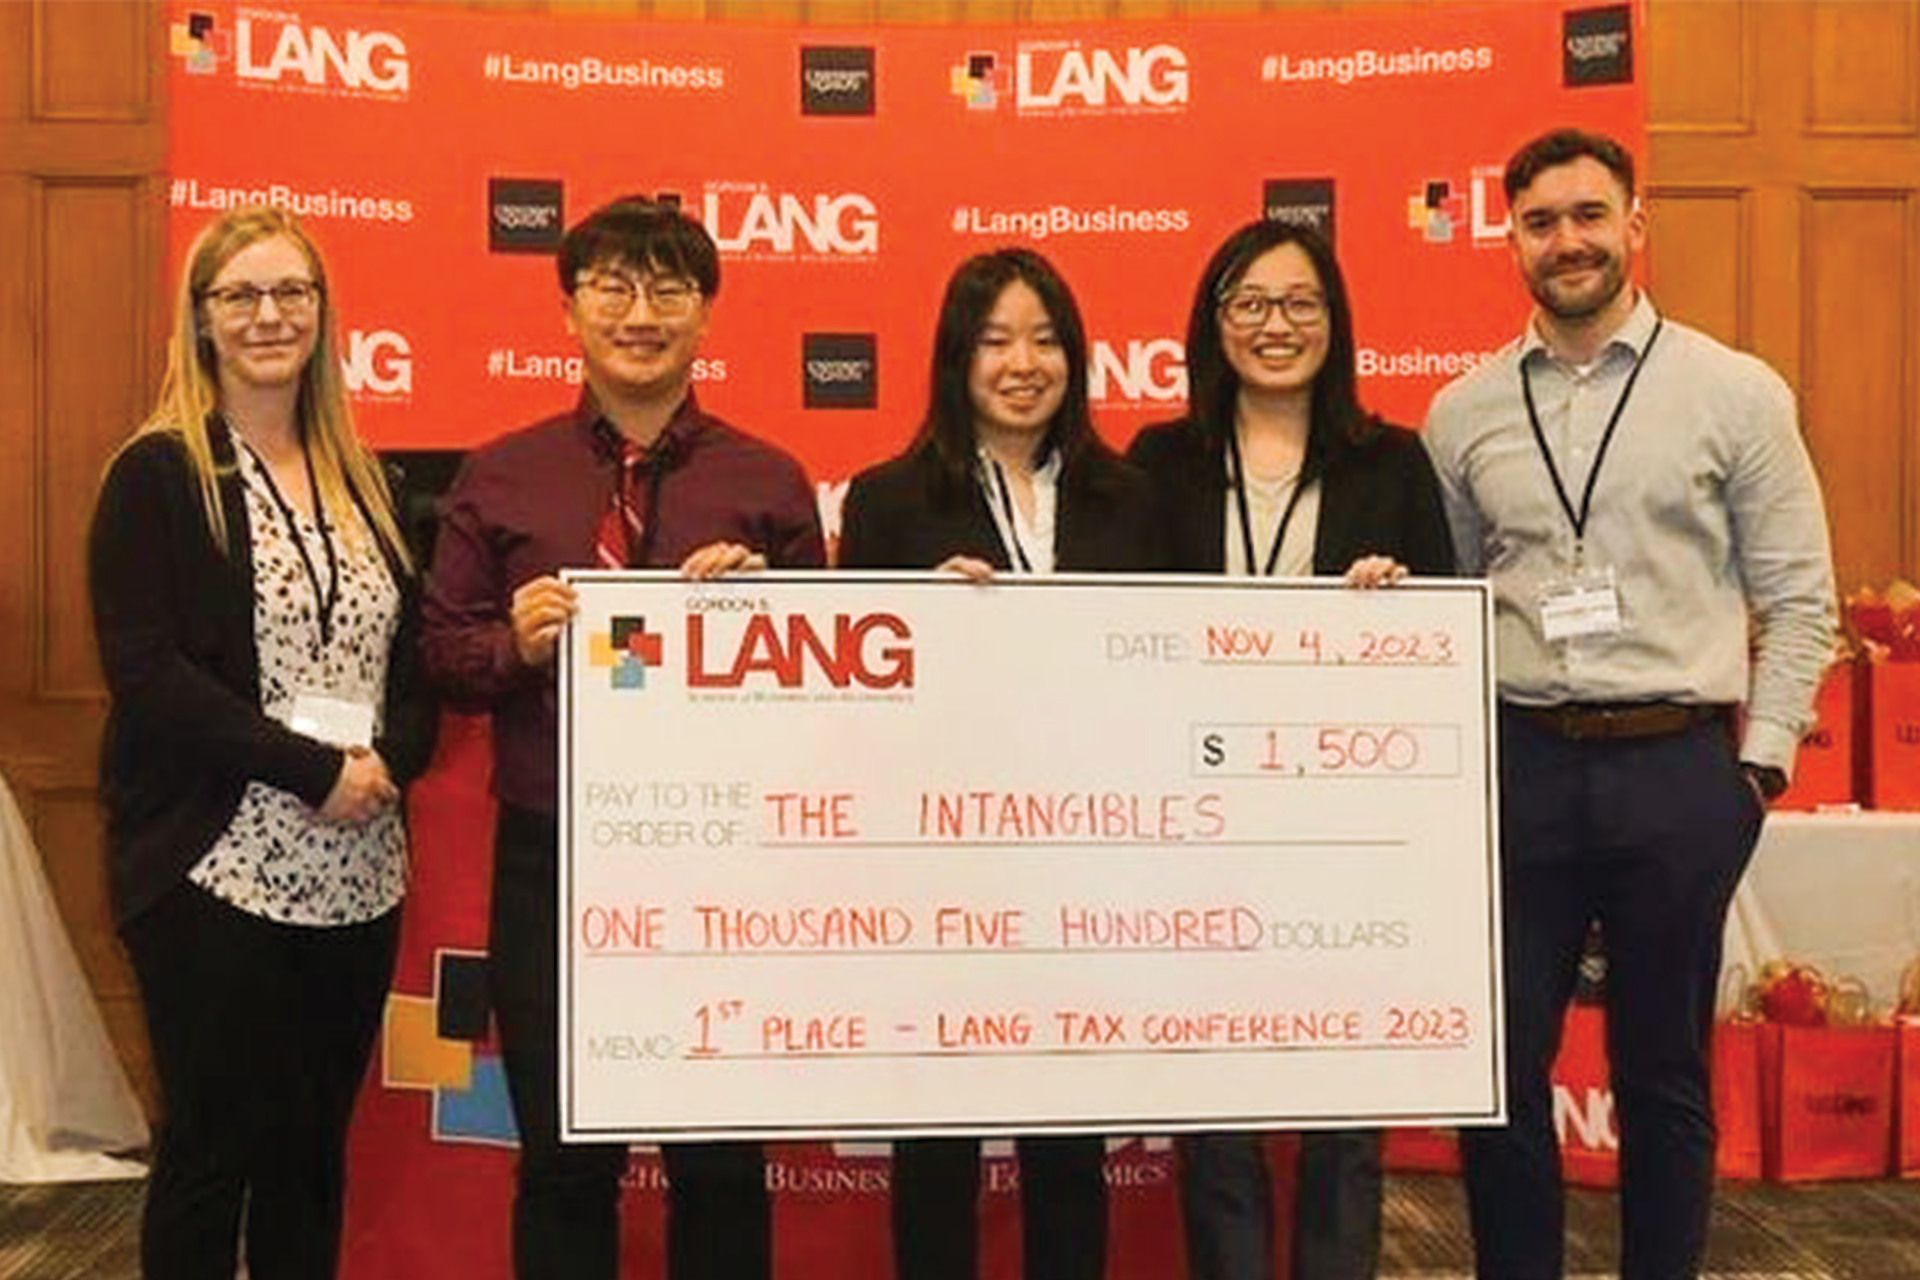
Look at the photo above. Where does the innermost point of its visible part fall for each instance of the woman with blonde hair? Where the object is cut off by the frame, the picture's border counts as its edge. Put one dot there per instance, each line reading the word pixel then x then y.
pixel 254 604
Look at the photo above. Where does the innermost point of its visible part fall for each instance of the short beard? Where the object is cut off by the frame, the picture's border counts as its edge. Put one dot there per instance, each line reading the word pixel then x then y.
pixel 1613 280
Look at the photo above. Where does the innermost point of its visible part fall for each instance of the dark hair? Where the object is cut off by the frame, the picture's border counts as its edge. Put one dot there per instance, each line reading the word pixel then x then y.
pixel 1563 146
pixel 644 235
pixel 1213 386
pixel 976 285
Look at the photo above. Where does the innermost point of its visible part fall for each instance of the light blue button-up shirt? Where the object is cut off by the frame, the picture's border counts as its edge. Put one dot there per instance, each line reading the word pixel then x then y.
pixel 1706 508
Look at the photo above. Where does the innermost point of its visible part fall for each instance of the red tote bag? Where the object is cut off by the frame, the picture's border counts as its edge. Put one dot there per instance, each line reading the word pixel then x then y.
pixel 1907 1097
pixel 1740 1153
pixel 1829 1101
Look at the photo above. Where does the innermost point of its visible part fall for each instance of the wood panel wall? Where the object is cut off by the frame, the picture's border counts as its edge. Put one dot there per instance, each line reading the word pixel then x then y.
pixel 82 148
pixel 1785 172
pixel 1784 181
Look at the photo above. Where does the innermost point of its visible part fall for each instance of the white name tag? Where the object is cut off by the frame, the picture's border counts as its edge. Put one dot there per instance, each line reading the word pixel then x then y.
pixel 1585 605
pixel 337 722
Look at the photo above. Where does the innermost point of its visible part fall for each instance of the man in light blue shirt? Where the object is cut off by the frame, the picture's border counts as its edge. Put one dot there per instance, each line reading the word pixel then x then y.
pixel 1641 499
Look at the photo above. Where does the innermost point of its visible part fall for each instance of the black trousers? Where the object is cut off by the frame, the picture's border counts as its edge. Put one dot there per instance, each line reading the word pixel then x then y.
pixel 1226 1205
pixel 566 1205
pixel 1649 837
pixel 261 1034
pixel 1063 1208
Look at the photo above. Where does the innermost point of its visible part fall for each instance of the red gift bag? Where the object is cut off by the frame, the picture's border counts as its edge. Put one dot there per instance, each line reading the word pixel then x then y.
pixel 1823 770
pixel 1828 1099
pixel 1736 1098
pixel 1893 735
pixel 1907 1097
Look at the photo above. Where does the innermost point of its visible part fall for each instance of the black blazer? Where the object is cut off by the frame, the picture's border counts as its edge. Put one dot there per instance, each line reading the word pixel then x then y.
pixel 174 621
pixel 1377 497
pixel 909 514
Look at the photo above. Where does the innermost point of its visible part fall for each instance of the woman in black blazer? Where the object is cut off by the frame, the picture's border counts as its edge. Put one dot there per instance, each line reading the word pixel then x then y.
pixel 1005 476
pixel 1278 470
pixel 254 603
pixel 1008 429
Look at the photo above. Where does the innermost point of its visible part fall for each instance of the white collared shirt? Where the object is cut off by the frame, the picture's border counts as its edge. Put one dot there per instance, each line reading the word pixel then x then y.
pixel 1266 504
pixel 1033 539
pixel 1706 508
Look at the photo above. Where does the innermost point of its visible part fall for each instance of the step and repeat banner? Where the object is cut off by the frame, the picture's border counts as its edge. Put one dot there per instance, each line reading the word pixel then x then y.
pixel 844 173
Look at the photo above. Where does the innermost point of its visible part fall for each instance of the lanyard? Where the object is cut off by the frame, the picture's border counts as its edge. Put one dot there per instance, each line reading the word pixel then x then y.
pixel 1578 519
pixel 1300 482
pixel 1012 530
pixel 324 601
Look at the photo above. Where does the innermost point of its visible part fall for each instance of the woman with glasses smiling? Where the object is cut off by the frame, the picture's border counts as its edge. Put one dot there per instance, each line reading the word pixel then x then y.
pixel 254 603
pixel 1278 471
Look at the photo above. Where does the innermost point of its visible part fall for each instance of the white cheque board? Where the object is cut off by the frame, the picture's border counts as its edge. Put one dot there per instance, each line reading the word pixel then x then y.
pixel 862 855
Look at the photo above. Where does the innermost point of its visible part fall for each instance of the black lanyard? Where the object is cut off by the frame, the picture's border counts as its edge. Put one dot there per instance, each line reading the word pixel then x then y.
pixel 1300 482
pixel 1579 518
pixel 1020 560
pixel 324 601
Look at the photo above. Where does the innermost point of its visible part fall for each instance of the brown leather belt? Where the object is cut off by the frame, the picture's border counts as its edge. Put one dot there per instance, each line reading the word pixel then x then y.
pixel 1607 721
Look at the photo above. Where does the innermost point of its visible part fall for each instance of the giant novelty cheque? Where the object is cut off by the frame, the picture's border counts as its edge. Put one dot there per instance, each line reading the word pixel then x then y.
pixel 866 855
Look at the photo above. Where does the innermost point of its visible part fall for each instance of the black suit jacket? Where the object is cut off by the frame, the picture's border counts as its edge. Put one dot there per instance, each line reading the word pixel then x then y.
pixel 174 620
pixel 908 514
pixel 1377 497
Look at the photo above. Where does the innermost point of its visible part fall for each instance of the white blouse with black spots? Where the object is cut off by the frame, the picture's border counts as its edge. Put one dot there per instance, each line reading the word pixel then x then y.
pixel 278 858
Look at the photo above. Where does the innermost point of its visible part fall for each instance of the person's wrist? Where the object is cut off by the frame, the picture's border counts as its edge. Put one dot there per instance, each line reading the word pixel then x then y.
pixel 1769 780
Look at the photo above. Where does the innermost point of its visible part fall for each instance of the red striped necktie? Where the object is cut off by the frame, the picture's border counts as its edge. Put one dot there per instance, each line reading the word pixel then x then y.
pixel 620 537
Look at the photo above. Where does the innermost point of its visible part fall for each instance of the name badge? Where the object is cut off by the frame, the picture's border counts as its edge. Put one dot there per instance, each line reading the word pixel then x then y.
pixel 1583 604
pixel 338 722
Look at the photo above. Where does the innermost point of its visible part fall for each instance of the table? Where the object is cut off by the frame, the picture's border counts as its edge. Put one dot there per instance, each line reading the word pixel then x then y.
pixel 64 1099
pixel 1840 891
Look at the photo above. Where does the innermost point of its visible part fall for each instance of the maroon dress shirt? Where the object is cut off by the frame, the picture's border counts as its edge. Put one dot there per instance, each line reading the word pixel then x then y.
pixel 529 504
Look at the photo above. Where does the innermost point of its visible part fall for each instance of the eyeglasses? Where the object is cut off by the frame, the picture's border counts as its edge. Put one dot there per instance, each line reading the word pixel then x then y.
pixel 610 297
pixel 1248 309
pixel 239 301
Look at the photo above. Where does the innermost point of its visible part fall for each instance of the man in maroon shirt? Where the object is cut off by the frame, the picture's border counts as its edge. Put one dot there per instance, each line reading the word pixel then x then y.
pixel 635 474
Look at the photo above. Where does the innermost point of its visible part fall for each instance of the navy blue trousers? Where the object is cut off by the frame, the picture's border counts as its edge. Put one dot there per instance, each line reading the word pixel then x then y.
pixel 1649 837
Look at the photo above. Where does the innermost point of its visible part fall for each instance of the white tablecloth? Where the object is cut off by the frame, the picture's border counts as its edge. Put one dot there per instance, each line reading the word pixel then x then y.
pixel 64 1100
pixel 1839 891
